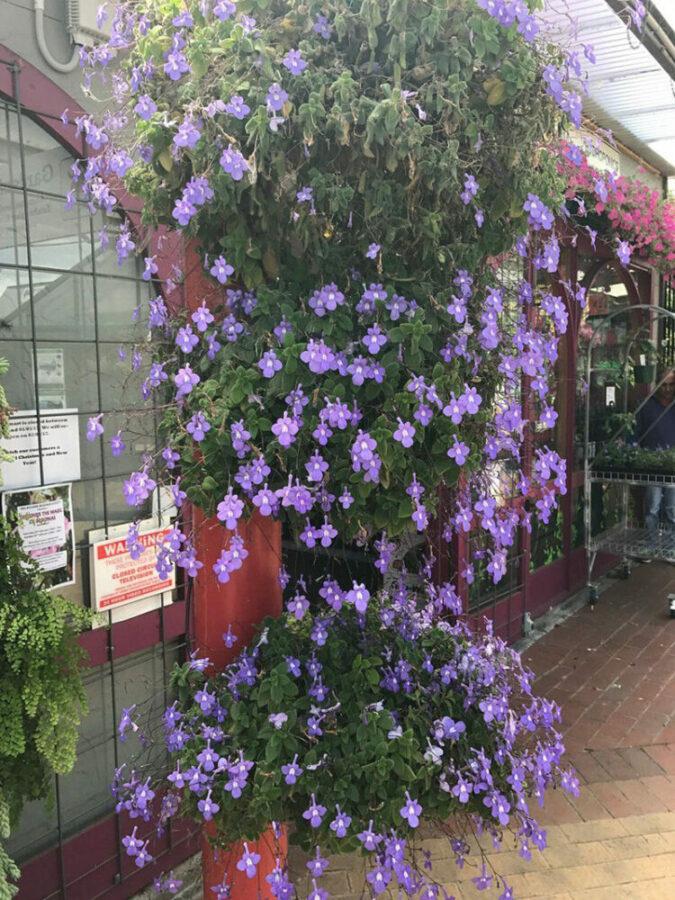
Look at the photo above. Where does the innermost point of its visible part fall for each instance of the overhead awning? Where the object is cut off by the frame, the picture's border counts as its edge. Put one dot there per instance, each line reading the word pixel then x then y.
pixel 631 87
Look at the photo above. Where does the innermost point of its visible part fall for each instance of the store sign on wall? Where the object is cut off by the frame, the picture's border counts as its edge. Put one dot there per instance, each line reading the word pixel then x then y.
pixel 117 579
pixel 59 443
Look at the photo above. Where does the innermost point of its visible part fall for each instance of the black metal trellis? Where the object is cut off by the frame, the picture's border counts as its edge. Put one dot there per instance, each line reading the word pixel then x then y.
pixel 21 194
pixel 668 337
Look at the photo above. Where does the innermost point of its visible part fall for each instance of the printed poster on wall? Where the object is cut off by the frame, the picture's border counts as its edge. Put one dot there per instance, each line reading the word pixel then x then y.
pixel 51 378
pixel 117 579
pixel 59 443
pixel 43 518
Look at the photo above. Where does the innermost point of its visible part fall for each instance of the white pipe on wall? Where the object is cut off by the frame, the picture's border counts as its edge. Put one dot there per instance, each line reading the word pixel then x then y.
pixel 39 7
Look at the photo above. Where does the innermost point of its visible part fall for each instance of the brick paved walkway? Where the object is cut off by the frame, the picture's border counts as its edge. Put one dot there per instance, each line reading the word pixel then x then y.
pixel 612 669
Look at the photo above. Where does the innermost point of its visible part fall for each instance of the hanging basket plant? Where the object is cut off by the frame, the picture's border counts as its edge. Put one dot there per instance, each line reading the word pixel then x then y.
pixel 42 696
pixel 623 211
pixel 348 172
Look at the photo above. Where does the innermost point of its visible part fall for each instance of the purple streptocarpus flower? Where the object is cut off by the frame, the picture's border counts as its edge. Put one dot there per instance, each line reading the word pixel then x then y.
pixel 285 429
pixel 186 339
pixel 294 62
pixel 292 771
pixel 117 445
pixel 131 843
pixel 340 823
pixel 623 252
pixel 374 339
pixel 278 720
pixel 126 722
pixel 249 862
pixel 232 162
pixel 459 451
pixel 221 270
pixel 378 878
pixel 202 316
pixel 317 865
pixel 372 251
pixel 185 380
pixel 359 596
pixel 314 813
pixel 230 510
pixel 237 107
pixel 411 811
pixel 143 856
pixel 317 893
pixel 276 97
pixel 188 134
pixel 94 427
pixel 322 27
pixel 224 10
pixel 405 433
pixel 369 838
pixel 145 107
pixel 176 65
pixel 198 426
pixel 269 364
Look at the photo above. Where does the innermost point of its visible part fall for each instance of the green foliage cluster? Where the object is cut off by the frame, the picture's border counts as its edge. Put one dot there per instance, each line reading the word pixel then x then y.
pixel 356 762
pixel 233 388
pixel 391 112
pixel 389 116
pixel 42 697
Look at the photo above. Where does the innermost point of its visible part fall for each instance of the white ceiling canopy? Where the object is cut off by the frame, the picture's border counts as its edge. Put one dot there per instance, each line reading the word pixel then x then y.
pixel 631 86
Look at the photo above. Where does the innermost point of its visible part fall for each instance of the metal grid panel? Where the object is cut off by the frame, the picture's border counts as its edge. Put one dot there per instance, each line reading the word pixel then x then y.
pixel 19 184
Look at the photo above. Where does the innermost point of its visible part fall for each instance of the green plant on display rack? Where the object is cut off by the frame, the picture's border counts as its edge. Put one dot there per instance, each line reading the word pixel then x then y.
pixel 623 457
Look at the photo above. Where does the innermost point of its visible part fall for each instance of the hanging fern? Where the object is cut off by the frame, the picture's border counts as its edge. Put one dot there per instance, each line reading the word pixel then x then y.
pixel 5 410
pixel 42 697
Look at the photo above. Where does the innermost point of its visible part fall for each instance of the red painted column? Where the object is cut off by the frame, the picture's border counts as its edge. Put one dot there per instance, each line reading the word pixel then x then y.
pixel 252 593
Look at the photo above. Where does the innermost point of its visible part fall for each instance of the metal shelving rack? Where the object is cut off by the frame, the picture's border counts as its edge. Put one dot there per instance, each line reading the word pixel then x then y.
pixel 626 539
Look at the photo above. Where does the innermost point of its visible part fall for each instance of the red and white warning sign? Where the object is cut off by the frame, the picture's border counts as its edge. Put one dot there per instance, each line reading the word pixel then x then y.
pixel 118 579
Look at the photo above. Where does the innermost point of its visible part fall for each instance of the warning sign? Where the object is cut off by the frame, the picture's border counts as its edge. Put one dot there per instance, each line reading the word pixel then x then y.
pixel 118 579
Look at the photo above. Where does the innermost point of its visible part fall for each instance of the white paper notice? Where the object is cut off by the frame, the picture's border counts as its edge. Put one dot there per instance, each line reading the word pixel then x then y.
pixel 43 518
pixel 60 446
pixel 42 526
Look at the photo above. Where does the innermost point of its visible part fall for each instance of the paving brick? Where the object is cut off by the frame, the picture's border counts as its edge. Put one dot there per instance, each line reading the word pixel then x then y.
pixel 588 806
pixel 614 764
pixel 642 801
pixel 614 800
pixel 664 756
pixel 579 832
pixel 642 765
pixel 659 823
pixel 557 810
pixel 662 787
pixel 587 766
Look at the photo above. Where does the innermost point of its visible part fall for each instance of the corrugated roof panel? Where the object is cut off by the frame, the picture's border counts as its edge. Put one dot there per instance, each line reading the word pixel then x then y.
pixel 628 91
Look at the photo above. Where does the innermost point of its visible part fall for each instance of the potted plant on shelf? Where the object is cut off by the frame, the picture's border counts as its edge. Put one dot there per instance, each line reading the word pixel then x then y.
pixel 350 175
pixel 644 357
